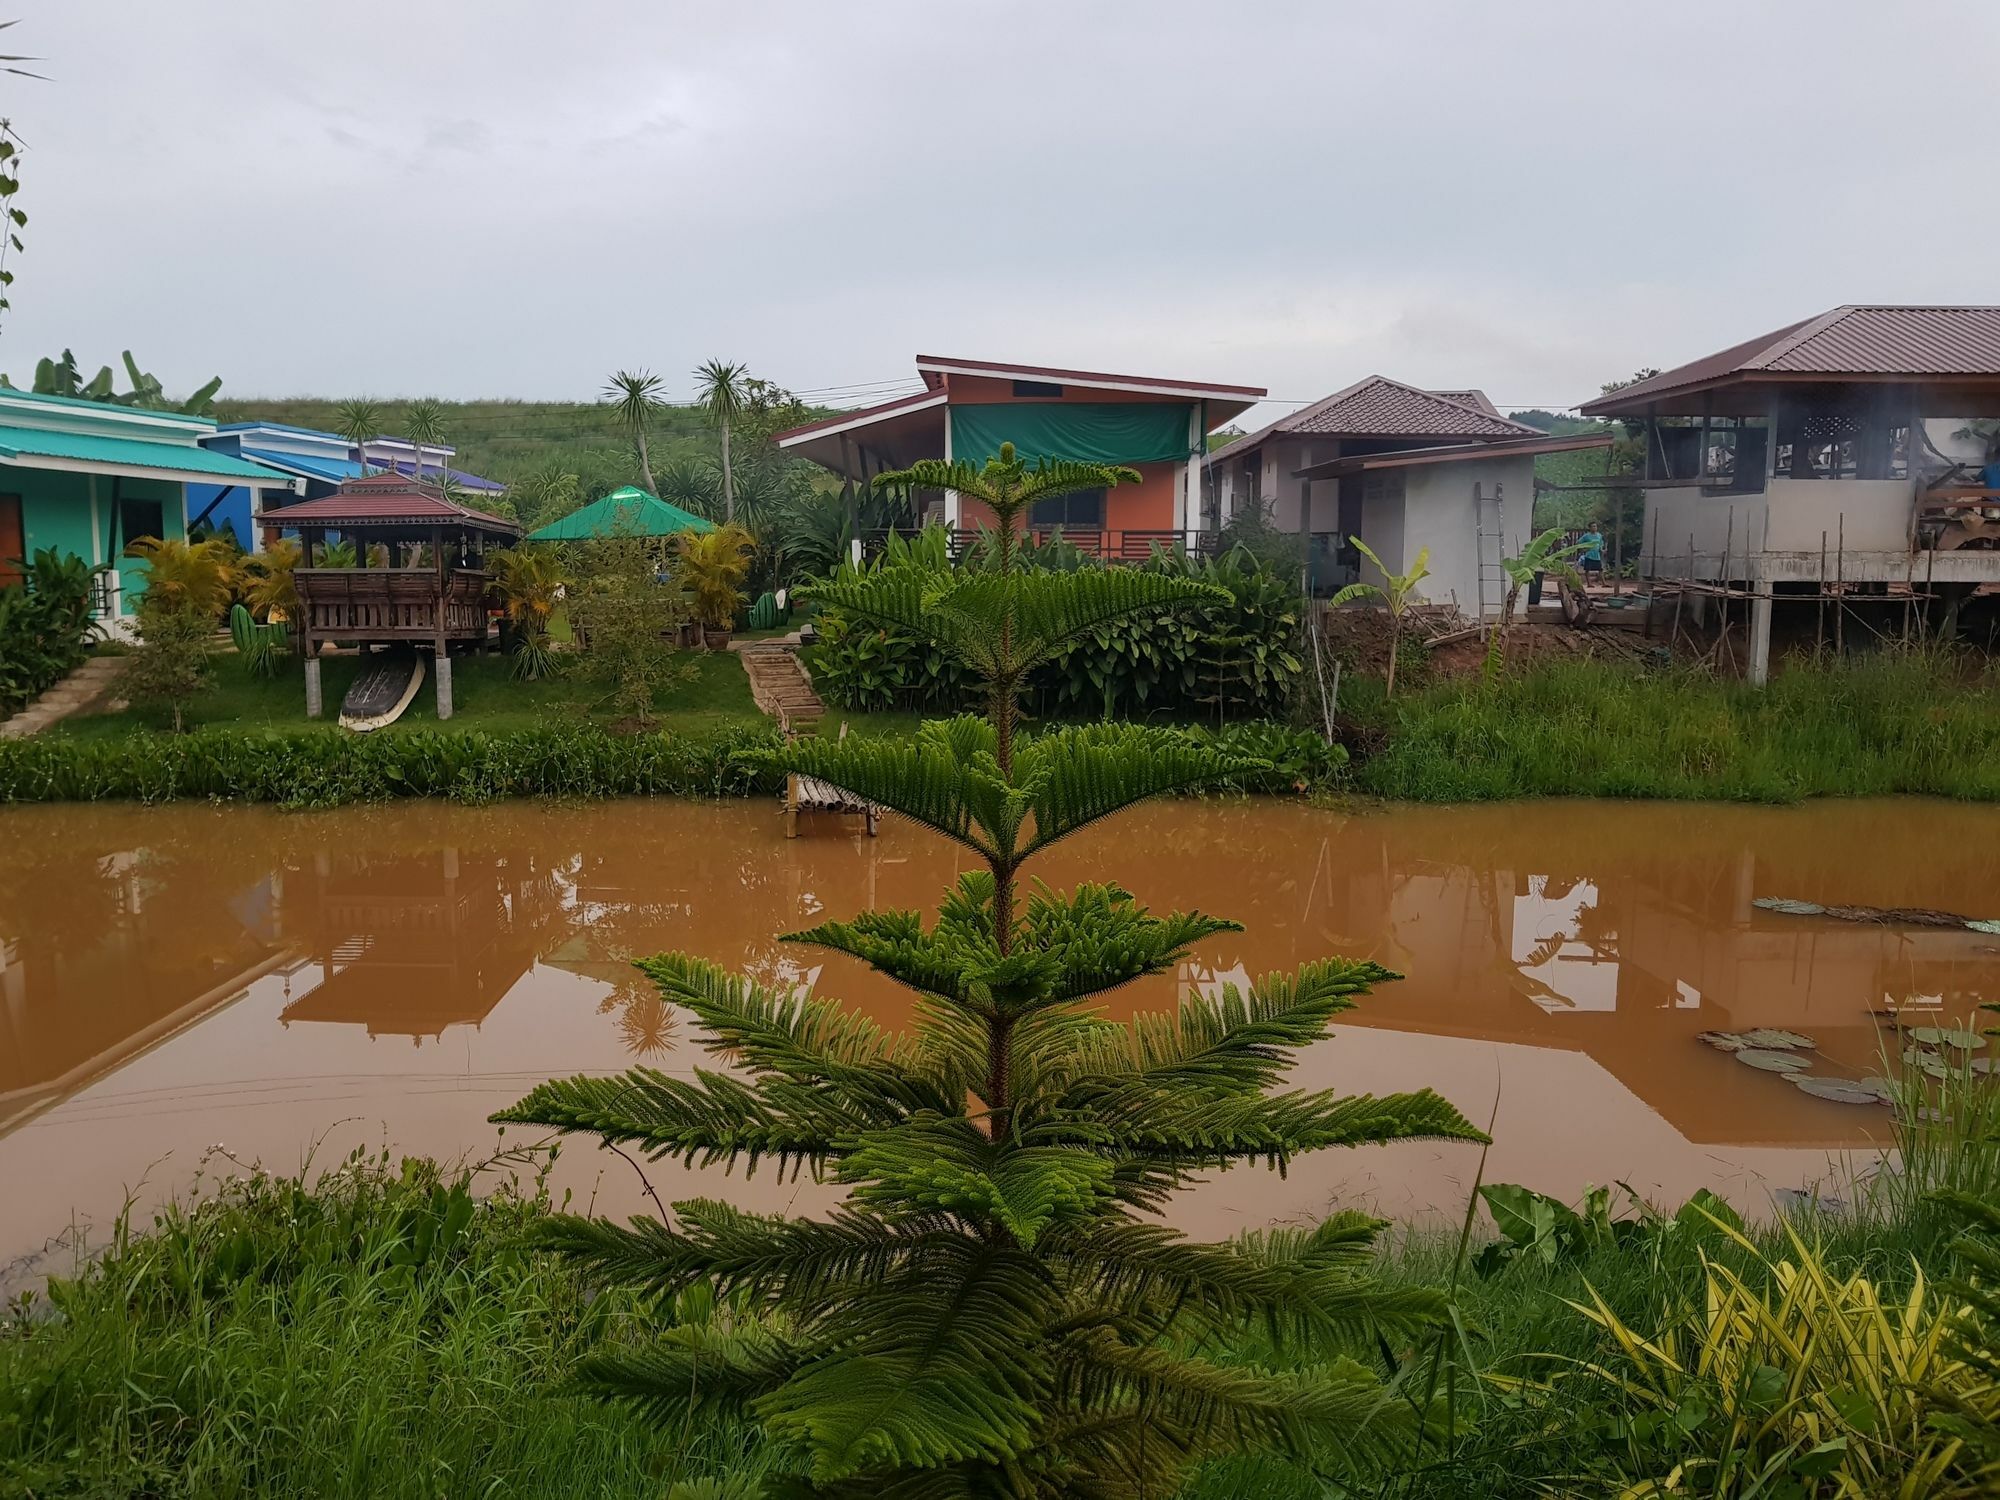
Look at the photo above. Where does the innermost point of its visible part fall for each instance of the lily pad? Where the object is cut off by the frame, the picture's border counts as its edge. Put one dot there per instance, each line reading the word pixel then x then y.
pixel 1984 1064
pixel 1765 1036
pixel 1839 1090
pixel 1722 1041
pixel 1772 1061
pixel 1930 1062
pixel 1962 1041
pixel 1881 1088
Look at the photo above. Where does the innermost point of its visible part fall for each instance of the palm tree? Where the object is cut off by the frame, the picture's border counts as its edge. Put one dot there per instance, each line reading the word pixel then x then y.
pixel 635 396
pixel 196 576
pixel 720 392
pixel 423 425
pixel 359 420
pixel 1398 591
pixel 995 1308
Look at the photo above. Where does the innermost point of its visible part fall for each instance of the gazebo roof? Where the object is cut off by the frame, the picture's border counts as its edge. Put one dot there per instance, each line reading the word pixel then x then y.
pixel 387 502
pixel 629 510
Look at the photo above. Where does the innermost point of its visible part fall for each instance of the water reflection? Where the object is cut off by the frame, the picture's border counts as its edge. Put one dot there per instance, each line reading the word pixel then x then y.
pixel 170 977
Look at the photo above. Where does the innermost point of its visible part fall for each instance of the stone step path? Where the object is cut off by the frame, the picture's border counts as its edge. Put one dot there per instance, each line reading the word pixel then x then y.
pixel 81 688
pixel 779 683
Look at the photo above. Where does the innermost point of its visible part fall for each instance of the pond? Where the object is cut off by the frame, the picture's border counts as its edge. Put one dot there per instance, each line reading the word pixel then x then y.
pixel 284 985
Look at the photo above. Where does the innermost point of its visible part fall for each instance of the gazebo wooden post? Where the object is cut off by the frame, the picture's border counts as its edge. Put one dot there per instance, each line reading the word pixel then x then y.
pixel 442 658
pixel 315 700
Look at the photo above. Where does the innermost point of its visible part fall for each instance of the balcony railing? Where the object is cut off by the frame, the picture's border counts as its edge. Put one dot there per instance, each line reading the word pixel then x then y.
pixel 1112 544
pixel 392 604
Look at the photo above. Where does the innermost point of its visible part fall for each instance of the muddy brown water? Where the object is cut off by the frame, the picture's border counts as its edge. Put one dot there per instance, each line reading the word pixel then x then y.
pixel 173 979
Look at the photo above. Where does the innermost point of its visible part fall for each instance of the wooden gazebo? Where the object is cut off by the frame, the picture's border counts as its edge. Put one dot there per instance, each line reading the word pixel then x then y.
pixel 433 593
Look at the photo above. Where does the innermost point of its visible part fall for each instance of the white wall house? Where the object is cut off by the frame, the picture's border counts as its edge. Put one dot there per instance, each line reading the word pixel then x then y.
pixel 1402 469
pixel 1824 452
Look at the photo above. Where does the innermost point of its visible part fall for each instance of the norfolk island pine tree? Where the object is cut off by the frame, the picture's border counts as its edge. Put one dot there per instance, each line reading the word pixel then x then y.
pixel 995 1310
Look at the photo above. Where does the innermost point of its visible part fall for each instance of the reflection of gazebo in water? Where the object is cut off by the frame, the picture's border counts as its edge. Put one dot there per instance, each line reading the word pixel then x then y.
pixel 407 948
pixel 433 593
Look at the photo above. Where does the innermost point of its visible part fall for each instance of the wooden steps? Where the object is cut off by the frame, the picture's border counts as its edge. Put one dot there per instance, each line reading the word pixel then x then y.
pixel 779 684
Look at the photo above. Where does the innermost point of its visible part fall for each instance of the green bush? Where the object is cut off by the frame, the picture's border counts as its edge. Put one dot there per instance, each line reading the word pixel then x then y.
pixel 45 626
pixel 1235 661
pixel 325 768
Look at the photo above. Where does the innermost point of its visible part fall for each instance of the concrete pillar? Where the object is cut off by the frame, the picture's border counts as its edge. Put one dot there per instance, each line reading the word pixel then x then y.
pixel 443 666
pixel 315 706
pixel 1760 635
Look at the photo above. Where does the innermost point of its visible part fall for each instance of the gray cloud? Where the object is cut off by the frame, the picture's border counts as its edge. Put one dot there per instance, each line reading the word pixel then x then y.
pixel 1532 197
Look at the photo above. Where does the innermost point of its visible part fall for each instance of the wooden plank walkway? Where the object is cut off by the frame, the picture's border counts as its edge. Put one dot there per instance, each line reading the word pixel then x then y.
pixel 779 684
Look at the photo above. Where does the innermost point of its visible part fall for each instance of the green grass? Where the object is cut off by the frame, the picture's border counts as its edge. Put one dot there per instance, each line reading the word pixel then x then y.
pixel 1918 722
pixel 485 696
pixel 375 1334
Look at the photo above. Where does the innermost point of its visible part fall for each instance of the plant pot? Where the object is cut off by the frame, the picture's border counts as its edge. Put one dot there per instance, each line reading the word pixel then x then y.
pixel 716 639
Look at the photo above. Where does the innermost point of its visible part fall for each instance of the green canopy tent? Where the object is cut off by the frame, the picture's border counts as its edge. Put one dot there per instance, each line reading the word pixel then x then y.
pixel 624 512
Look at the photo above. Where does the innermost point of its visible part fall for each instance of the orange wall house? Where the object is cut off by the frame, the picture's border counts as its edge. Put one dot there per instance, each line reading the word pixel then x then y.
pixel 968 408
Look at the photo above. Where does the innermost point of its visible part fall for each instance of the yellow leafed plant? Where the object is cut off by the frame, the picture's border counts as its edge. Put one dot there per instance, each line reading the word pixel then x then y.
pixel 1810 1384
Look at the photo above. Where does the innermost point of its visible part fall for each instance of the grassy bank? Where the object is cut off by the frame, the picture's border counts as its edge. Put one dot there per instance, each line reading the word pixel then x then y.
pixel 485 696
pixel 377 1334
pixel 1903 722
pixel 382 1331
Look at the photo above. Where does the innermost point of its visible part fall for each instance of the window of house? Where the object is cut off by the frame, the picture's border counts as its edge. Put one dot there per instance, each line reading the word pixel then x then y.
pixel 1735 455
pixel 1673 448
pixel 1084 508
pixel 1036 388
pixel 140 518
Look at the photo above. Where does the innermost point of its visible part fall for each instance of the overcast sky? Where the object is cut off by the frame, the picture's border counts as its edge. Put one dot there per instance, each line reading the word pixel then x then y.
pixel 486 198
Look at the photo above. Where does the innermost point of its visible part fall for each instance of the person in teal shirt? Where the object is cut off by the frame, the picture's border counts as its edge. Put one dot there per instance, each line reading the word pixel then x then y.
pixel 1592 556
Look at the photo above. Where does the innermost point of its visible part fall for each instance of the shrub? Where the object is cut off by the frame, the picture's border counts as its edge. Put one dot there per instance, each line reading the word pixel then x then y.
pixel 45 626
pixel 628 620
pixel 325 768
pixel 174 661
pixel 1238 659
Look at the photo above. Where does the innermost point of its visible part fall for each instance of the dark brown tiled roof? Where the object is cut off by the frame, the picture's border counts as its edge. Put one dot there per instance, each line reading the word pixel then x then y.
pixel 1475 399
pixel 1856 340
pixel 1379 407
pixel 385 500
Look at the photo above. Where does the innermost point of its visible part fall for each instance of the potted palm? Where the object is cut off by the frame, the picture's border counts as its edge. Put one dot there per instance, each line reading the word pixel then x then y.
pixel 713 566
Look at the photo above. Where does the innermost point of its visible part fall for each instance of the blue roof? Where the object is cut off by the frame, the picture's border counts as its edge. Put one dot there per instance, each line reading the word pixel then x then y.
pixel 280 427
pixel 332 470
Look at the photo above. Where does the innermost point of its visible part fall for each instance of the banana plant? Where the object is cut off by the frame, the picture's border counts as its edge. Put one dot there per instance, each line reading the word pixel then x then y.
pixel 1541 555
pixel 1398 591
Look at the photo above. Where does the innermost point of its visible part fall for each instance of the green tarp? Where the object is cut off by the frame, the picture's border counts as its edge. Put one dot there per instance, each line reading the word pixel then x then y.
pixel 1109 432
pixel 624 512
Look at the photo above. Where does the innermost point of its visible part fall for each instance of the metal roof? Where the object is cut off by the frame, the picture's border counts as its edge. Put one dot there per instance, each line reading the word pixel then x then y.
pixel 932 366
pixel 135 455
pixel 330 470
pixel 1379 407
pixel 1857 341
pixel 386 500
pixel 628 509
pixel 1455 453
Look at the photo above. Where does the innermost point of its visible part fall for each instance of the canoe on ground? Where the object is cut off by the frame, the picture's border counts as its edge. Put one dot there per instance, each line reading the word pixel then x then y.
pixel 385 688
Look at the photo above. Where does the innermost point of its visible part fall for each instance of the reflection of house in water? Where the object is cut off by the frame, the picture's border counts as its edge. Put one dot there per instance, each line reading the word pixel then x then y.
pixel 409 946
pixel 165 952
pixel 1509 941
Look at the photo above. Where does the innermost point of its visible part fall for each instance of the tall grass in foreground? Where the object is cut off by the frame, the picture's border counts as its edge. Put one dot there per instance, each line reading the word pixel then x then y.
pixel 374 1334
pixel 1922 720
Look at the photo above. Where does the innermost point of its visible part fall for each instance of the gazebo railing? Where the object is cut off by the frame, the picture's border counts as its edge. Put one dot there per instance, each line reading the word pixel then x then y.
pixel 392 604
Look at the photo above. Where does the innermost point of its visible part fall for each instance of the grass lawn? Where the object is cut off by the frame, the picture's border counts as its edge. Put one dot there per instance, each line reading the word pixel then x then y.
pixel 485 696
